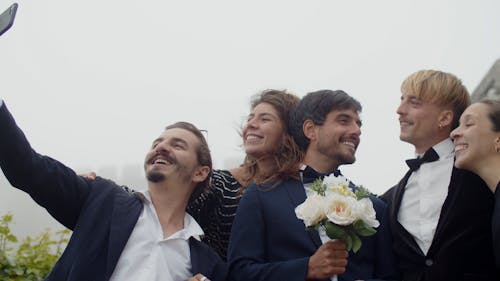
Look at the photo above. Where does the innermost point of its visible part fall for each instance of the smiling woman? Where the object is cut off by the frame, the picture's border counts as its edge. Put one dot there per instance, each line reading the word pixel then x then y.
pixel 477 148
pixel 477 141
pixel 270 150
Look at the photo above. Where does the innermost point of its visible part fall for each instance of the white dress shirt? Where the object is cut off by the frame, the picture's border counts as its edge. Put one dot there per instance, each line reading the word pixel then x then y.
pixel 424 196
pixel 149 256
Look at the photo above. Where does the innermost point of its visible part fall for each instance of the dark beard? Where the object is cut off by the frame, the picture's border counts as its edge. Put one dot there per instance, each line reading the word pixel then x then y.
pixel 341 159
pixel 155 177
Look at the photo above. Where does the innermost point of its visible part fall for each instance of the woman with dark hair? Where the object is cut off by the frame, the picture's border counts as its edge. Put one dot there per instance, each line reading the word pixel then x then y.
pixel 477 149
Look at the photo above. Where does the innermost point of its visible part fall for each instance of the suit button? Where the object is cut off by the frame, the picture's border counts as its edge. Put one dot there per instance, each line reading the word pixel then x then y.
pixel 429 262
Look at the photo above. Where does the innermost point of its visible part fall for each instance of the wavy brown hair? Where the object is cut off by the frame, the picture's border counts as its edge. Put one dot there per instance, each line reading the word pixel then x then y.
pixel 287 155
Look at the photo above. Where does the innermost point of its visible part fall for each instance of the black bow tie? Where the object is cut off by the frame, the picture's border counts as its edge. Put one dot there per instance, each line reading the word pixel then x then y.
pixel 309 175
pixel 429 156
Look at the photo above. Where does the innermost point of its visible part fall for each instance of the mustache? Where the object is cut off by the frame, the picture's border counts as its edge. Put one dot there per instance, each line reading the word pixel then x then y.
pixel 164 155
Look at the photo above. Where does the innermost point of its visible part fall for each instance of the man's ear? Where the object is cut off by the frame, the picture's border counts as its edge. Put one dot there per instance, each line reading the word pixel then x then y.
pixel 201 174
pixel 445 118
pixel 309 129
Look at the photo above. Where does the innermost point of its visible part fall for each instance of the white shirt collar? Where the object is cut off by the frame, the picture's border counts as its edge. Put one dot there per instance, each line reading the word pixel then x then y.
pixel 443 148
pixel 191 227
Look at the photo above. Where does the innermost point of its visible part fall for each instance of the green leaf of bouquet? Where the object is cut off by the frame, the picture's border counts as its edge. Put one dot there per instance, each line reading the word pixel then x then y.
pixel 312 227
pixel 362 192
pixel 363 229
pixel 318 186
pixel 334 231
pixel 356 242
pixel 369 231
pixel 348 242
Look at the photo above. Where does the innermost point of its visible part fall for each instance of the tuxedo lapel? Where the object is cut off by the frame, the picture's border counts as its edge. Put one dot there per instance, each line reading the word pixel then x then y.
pixel 399 230
pixel 126 211
pixel 447 210
pixel 398 196
pixel 297 195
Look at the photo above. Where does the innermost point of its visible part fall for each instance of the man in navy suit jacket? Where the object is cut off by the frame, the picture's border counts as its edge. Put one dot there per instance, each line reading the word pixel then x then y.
pixel 269 242
pixel 117 235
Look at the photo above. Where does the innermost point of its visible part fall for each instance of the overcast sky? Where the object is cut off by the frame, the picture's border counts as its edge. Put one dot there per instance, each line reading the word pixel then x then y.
pixel 92 83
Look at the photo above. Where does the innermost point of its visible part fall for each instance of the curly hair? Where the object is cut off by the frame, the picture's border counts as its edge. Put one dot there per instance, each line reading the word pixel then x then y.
pixel 287 155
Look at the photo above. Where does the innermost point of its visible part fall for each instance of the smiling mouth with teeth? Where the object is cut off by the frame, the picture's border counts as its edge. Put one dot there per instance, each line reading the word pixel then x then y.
pixel 460 147
pixel 162 159
pixel 351 144
pixel 404 123
pixel 252 137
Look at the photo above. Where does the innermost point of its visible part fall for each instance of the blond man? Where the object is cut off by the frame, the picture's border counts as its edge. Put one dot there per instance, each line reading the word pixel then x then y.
pixel 440 216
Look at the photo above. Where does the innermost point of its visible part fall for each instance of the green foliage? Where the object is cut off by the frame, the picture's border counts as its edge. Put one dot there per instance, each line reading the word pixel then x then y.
pixel 34 257
pixel 349 233
pixel 362 192
pixel 319 187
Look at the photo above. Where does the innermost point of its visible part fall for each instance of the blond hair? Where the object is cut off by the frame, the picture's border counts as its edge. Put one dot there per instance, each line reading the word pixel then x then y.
pixel 440 88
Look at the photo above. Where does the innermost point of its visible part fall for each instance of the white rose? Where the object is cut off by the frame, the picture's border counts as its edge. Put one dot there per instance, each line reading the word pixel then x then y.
pixel 340 209
pixel 332 180
pixel 311 211
pixel 367 213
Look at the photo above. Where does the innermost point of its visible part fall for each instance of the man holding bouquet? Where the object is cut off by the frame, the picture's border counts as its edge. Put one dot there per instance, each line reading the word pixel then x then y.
pixel 269 241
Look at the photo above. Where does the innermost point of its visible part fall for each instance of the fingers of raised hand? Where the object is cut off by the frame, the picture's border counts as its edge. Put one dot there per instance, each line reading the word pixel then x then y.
pixel 89 176
pixel 199 277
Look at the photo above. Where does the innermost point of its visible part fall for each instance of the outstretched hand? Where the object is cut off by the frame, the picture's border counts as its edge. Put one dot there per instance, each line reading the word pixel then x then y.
pixel 90 176
pixel 330 259
pixel 199 277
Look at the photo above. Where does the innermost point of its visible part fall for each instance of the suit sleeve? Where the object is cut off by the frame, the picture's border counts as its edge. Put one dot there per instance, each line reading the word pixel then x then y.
pixel 51 184
pixel 248 246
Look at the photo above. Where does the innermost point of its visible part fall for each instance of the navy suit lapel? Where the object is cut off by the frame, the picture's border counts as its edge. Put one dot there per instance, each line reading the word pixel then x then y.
pixel 204 260
pixel 126 211
pixel 197 262
pixel 297 196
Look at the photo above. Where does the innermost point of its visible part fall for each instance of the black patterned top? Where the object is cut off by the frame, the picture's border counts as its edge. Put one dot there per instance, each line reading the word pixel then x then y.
pixel 215 210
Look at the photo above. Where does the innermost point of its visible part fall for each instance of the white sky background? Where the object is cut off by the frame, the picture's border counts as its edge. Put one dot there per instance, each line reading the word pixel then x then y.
pixel 92 83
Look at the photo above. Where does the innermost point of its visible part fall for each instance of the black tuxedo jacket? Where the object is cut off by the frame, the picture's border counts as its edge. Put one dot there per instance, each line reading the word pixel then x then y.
pixel 100 213
pixel 462 245
pixel 496 226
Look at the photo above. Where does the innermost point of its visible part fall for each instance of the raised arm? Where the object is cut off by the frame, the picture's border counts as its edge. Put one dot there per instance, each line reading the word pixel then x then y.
pixel 50 183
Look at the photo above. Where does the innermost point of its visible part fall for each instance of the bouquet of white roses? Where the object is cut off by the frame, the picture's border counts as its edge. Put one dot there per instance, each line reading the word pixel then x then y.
pixel 342 213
